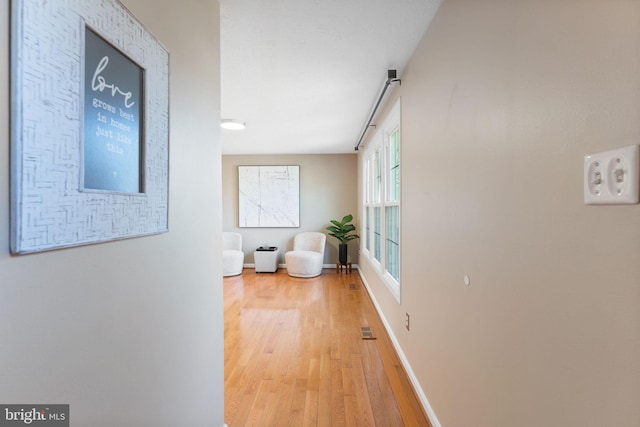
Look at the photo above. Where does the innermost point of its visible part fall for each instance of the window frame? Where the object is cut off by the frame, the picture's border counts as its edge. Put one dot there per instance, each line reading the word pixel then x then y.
pixel 382 197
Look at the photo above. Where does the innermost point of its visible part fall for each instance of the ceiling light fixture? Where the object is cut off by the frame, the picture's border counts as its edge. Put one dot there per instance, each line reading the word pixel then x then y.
pixel 232 124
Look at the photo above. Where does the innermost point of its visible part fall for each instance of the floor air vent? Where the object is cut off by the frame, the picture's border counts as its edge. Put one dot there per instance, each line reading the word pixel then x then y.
pixel 353 287
pixel 366 333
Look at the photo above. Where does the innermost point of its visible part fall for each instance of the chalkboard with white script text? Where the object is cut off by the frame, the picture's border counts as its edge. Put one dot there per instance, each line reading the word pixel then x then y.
pixel 113 124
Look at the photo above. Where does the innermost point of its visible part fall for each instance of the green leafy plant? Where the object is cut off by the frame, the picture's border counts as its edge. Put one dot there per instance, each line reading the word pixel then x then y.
pixel 343 230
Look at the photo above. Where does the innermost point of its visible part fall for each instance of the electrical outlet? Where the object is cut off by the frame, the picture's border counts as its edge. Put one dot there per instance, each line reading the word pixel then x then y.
pixel 406 321
pixel 611 177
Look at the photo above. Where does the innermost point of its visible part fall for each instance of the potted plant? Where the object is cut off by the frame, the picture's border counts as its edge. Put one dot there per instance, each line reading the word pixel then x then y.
pixel 344 231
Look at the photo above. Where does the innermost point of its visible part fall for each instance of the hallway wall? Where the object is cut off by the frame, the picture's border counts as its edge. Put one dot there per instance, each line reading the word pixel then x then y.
pixel 500 103
pixel 129 333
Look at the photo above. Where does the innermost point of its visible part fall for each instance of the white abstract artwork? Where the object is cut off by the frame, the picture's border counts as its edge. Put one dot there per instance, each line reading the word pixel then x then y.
pixel 269 196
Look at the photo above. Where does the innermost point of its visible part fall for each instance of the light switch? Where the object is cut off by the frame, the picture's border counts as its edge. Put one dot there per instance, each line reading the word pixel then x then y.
pixel 611 177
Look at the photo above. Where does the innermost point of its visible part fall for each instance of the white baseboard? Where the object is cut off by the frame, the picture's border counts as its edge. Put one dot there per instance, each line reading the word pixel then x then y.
pixel 403 359
pixel 333 266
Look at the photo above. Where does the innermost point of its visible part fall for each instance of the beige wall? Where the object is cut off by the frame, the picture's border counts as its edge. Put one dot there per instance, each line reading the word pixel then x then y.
pixel 500 103
pixel 129 333
pixel 328 185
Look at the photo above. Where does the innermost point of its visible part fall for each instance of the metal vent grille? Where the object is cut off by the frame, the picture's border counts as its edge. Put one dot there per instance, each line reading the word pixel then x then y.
pixel 366 333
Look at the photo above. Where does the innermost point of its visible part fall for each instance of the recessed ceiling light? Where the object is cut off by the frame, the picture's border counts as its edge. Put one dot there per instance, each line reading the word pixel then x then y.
pixel 232 124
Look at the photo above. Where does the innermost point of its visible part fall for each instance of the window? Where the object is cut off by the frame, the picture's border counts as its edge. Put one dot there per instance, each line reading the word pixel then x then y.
pixel 377 208
pixel 392 206
pixel 381 225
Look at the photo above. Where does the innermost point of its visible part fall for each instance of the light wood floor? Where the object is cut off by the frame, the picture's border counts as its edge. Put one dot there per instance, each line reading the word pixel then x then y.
pixel 295 355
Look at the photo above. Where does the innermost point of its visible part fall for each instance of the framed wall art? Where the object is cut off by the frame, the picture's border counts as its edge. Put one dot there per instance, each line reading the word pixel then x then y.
pixel 89 125
pixel 269 196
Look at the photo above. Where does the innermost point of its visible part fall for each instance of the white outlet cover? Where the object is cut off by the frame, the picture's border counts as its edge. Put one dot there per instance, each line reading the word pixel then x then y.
pixel 611 177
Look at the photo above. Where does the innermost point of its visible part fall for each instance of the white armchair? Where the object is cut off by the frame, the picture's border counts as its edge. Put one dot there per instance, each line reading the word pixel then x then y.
pixel 307 256
pixel 232 255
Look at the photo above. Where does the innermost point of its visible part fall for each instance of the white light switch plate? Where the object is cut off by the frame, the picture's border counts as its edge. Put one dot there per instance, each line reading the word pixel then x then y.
pixel 611 177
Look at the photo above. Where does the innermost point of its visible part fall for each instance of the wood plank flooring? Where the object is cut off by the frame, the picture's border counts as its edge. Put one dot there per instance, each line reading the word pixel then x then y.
pixel 295 355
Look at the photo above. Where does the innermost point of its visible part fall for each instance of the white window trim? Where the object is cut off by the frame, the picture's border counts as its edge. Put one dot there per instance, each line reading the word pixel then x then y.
pixel 380 140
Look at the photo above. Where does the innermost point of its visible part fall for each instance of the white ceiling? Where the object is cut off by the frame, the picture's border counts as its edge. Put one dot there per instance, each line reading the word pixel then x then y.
pixel 305 74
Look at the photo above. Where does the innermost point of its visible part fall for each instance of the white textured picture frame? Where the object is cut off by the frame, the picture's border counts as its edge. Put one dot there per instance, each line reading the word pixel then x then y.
pixel 49 207
pixel 269 196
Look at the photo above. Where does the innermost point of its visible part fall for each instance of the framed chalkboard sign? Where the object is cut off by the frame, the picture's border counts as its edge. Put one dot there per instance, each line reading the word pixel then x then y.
pixel 89 125
pixel 113 118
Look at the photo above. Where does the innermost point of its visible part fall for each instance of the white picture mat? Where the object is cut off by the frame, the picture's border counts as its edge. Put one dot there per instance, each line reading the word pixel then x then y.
pixel 269 196
pixel 48 209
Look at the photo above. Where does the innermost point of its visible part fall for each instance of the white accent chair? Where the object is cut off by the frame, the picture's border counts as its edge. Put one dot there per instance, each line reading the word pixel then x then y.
pixel 232 255
pixel 307 256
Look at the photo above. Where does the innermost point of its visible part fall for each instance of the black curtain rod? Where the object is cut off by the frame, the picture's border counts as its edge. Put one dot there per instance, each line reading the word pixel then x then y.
pixel 391 77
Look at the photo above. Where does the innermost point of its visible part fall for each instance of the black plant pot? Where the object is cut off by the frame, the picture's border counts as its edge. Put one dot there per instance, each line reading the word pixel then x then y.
pixel 342 253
